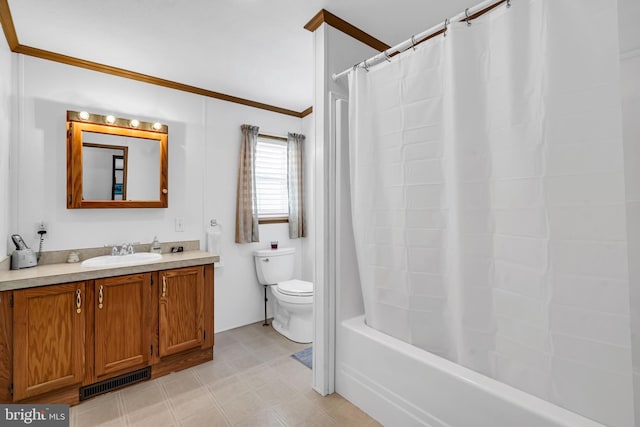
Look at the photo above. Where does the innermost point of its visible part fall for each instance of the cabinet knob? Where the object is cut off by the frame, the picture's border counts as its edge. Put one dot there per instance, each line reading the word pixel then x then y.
pixel 78 301
pixel 100 297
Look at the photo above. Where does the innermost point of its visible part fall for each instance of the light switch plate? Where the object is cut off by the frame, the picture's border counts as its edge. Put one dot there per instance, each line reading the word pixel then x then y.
pixel 179 224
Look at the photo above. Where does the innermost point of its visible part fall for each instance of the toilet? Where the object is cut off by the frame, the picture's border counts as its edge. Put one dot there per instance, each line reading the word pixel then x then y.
pixel 293 307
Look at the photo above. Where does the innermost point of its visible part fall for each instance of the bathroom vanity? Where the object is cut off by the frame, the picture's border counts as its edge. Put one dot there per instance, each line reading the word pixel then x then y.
pixel 68 333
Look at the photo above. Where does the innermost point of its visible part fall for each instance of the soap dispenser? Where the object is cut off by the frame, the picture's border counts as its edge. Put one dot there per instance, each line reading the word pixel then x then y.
pixel 155 246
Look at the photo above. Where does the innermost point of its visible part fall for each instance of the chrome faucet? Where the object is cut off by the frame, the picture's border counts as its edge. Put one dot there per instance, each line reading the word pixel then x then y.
pixel 125 249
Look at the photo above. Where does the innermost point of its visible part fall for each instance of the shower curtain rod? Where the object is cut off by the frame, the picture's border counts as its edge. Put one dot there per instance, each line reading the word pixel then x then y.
pixel 466 15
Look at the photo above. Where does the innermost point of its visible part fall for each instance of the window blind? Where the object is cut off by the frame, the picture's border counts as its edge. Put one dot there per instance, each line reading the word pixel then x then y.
pixel 271 179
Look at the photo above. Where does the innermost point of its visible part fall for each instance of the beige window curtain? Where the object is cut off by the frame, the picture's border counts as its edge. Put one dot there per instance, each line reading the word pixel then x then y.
pixel 295 184
pixel 247 200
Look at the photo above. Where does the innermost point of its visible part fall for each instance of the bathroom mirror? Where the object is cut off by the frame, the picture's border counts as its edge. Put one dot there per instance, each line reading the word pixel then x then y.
pixel 115 163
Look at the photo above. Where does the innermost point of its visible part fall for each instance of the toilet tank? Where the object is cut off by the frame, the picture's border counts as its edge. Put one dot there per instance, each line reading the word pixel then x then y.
pixel 274 265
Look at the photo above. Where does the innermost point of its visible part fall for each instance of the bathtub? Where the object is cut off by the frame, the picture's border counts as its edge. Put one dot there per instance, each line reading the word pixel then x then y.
pixel 402 385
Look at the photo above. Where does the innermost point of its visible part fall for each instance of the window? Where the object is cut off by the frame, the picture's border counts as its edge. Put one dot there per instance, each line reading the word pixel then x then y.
pixel 271 180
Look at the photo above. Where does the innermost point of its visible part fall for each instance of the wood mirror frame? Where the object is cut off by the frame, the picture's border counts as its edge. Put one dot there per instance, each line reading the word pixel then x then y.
pixel 77 123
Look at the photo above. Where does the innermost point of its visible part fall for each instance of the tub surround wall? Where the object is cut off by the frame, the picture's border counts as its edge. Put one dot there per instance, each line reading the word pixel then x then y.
pixel 204 138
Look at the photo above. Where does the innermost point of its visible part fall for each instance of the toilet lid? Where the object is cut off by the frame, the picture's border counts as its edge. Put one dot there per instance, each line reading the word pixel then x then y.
pixel 296 287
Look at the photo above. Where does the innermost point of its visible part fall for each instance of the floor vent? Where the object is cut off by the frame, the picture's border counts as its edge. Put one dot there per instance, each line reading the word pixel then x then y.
pixel 115 383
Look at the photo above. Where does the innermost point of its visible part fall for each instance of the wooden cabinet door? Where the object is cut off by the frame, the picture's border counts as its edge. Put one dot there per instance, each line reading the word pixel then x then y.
pixel 181 309
pixel 122 319
pixel 48 339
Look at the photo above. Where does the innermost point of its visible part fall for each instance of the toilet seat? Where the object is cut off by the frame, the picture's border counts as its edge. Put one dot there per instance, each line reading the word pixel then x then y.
pixel 306 298
pixel 295 287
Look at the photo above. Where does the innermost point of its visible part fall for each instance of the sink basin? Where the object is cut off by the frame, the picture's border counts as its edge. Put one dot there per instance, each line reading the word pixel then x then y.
pixel 121 260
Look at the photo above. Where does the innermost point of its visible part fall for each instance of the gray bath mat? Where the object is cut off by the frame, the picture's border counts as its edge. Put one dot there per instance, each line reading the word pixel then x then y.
pixel 304 357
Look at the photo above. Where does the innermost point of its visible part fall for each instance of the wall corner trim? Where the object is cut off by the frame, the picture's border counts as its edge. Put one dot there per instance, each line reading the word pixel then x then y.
pixel 324 16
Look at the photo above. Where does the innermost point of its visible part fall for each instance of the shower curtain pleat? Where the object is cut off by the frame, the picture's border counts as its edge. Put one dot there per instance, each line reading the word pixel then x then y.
pixel 488 201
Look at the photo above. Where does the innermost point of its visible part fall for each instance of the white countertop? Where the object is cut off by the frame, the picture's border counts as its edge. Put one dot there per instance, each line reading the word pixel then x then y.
pixel 52 274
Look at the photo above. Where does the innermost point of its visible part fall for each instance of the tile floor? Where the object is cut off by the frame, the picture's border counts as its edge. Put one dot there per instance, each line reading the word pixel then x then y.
pixel 252 381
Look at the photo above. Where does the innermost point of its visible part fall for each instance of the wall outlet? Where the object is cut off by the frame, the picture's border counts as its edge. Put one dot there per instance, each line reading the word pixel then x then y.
pixel 41 228
pixel 179 224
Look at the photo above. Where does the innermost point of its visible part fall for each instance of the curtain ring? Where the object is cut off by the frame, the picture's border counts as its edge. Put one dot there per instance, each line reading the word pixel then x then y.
pixel 466 13
pixel 413 42
pixel 508 3
pixel 366 67
pixel 446 24
pixel 386 56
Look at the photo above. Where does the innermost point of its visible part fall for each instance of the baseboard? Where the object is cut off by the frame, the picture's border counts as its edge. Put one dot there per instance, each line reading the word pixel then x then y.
pixel 181 361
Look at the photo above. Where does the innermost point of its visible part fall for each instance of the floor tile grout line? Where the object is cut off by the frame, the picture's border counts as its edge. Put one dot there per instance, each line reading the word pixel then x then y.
pixel 167 400
pixel 215 401
pixel 122 408
pixel 241 376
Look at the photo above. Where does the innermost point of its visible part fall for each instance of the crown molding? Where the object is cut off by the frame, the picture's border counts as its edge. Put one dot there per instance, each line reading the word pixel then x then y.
pixel 145 78
pixel 306 112
pixel 326 17
pixel 7 25
pixel 12 39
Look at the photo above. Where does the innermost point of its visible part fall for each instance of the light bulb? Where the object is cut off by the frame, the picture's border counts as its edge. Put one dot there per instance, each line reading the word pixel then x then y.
pixel 84 115
pixel 110 119
pixel 157 125
pixel 134 123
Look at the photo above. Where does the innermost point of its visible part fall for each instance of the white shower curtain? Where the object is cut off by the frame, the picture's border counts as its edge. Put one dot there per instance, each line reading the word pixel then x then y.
pixel 488 201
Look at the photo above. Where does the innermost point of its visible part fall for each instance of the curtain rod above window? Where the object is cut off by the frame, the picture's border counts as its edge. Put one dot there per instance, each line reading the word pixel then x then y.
pixel 467 15
pixel 279 138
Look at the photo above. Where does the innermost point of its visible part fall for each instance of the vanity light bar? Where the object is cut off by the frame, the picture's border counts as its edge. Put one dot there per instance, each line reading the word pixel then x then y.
pixel 85 117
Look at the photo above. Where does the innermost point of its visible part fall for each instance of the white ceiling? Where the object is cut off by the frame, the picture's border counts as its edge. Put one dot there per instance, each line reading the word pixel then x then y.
pixel 254 49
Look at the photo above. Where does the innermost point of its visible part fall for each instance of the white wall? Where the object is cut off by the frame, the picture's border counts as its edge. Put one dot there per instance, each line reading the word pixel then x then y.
pixel 236 284
pixel 7 98
pixel 204 138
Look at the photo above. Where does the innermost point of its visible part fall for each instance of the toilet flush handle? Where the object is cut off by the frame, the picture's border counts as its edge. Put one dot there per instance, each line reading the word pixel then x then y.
pixel 265 260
